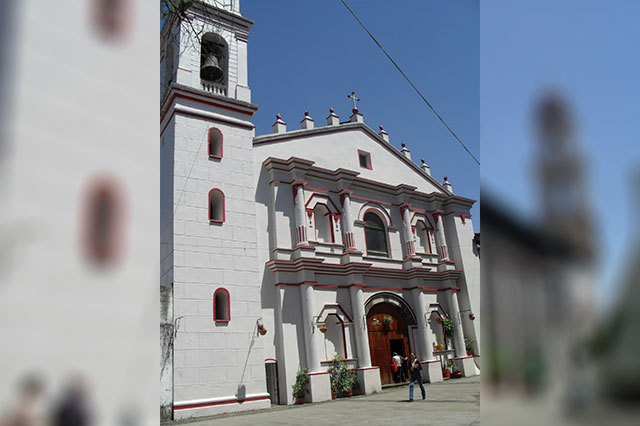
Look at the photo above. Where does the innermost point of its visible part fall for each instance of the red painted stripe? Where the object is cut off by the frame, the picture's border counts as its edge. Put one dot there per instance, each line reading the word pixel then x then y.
pixel 211 404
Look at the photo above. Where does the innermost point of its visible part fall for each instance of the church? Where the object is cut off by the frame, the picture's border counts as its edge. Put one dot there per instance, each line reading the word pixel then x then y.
pixel 281 250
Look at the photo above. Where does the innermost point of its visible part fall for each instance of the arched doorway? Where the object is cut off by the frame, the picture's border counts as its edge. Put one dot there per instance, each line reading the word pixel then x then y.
pixel 389 335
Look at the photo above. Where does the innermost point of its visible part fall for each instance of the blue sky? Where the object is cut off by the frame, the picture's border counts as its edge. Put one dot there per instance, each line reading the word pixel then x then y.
pixel 590 52
pixel 312 54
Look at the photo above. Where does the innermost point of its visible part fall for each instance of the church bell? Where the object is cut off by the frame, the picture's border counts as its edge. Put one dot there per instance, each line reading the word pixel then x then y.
pixel 210 69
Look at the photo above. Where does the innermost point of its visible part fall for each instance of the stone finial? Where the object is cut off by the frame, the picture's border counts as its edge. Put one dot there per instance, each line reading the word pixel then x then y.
pixel 425 167
pixel 307 122
pixel 333 119
pixel 447 185
pixel 356 117
pixel 405 151
pixel 383 134
pixel 279 126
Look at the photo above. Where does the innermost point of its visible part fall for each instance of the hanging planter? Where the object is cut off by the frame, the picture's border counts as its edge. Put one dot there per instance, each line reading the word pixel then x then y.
pixel 261 329
pixel 472 316
pixel 439 320
pixel 386 320
pixel 323 328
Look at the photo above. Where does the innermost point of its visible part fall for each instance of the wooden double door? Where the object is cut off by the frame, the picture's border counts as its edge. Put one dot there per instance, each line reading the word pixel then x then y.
pixel 387 337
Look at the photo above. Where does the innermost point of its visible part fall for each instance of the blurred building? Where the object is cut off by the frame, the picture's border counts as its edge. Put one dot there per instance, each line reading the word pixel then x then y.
pixel 280 251
pixel 538 289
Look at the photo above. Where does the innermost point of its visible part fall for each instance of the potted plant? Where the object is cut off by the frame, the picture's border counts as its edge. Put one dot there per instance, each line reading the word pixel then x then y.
pixel 455 371
pixel 356 387
pixel 439 320
pixel 468 345
pixel 261 329
pixel 299 387
pixel 341 377
pixel 323 328
pixel 472 316
pixel 448 327
pixel 348 380
pixel 446 374
pixel 386 320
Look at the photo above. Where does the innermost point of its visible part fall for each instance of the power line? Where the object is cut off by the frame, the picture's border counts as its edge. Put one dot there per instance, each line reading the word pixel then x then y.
pixel 411 83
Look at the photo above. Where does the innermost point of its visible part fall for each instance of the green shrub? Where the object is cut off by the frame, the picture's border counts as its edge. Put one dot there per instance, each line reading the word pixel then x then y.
pixel 299 387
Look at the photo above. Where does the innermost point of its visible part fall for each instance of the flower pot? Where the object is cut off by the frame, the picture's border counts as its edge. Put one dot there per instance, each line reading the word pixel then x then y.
pixel 348 393
pixel 262 331
pixel 323 329
pixel 300 400
pixel 333 395
pixel 456 374
pixel 469 352
pixel 356 392
pixel 446 374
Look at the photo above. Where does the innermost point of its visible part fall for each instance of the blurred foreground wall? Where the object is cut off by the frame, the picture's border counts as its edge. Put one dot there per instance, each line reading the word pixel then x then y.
pixel 79 182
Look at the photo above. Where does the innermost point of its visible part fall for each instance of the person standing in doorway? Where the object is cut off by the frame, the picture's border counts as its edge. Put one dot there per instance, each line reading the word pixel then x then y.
pixel 416 375
pixel 396 367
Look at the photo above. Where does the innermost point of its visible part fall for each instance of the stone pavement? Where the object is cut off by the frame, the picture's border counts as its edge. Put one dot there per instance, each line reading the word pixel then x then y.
pixel 454 402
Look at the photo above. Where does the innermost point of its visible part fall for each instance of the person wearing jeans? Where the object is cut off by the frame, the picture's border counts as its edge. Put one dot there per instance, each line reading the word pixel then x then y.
pixel 416 375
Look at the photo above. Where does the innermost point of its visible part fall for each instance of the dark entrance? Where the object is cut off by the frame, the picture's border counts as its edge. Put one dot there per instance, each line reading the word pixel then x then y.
pixel 388 333
pixel 397 346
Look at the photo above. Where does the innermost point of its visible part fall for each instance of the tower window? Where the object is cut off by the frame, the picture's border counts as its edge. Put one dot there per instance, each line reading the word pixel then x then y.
pixel 216 206
pixel 375 235
pixel 213 58
pixel 365 159
pixel 215 143
pixel 221 306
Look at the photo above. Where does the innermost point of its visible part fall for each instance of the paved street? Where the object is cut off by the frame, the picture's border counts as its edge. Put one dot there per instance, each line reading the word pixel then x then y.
pixel 454 402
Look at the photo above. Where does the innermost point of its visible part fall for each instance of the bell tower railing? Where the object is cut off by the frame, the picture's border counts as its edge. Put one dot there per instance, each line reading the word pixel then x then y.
pixel 215 88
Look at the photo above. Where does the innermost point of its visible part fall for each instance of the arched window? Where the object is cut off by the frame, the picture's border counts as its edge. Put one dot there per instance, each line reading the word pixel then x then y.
pixel 215 143
pixel 322 218
pixel 423 238
pixel 216 206
pixel 221 308
pixel 334 337
pixel 213 59
pixel 375 235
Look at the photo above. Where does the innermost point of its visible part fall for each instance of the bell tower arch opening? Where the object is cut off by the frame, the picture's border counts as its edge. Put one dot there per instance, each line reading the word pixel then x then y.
pixel 213 59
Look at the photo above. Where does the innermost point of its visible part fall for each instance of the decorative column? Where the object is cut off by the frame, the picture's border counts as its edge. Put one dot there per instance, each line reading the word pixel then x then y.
pixel 308 302
pixel 409 245
pixel 465 363
pixel 441 240
pixel 458 337
pixel 347 222
pixel 425 349
pixel 368 376
pixel 360 326
pixel 299 214
pixel 432 370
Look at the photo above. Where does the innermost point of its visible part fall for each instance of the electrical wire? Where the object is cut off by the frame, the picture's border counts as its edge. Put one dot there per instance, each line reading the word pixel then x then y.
pixel 411 83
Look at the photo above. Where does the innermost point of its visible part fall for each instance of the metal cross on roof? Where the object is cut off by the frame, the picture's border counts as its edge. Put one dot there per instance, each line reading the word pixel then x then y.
pixel 353 97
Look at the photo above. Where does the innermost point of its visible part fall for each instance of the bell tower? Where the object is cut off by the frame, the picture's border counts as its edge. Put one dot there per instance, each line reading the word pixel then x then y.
pixel 212 355
pixel 563 196
pixel 205 47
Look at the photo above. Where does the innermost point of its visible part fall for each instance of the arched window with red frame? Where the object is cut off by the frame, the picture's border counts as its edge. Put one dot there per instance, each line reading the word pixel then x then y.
pixel 216 206
pixel 221 305
pixel 215 143
pixel 375 234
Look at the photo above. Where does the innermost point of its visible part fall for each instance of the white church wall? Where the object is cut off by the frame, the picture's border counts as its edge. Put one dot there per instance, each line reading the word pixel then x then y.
pixel 460 239
pixel 218 357
pixel 340 150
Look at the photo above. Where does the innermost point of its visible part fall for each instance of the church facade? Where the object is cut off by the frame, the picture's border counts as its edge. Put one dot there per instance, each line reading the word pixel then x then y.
pixel 282 250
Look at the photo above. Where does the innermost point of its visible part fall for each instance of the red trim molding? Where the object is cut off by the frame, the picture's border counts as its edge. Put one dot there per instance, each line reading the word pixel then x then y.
pixel 211 404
